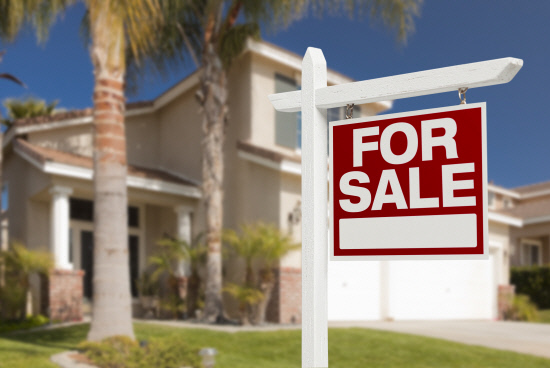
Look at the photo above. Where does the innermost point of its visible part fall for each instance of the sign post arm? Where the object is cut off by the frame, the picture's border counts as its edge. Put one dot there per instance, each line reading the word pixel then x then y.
pixel 314 214
pixel 484 73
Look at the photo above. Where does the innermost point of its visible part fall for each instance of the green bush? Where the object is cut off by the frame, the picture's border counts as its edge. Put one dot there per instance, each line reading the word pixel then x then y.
pixel 123 352
pixel 522 309
pixel 28 323
pixel 534 282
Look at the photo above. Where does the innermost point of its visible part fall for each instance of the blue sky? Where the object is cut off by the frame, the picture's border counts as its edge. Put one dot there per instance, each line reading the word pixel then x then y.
pixel 447 33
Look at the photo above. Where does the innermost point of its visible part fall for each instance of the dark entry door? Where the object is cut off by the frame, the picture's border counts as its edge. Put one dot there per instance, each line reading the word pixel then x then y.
pixel 87 261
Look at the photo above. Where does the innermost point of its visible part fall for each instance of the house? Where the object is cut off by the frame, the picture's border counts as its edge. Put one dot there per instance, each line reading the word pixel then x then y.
pixel 48 178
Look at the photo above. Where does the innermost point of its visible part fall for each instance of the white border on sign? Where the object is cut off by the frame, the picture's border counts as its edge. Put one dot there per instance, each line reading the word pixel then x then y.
pixel 483 256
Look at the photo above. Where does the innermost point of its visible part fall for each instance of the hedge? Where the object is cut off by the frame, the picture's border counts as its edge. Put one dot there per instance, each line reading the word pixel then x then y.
pixel 534 282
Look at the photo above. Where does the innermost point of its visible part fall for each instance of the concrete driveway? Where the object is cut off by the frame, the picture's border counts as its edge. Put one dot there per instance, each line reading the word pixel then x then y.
pixel 527 338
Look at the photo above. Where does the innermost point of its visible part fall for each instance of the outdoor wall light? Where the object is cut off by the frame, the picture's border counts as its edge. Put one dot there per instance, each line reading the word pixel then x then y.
pixel 208 357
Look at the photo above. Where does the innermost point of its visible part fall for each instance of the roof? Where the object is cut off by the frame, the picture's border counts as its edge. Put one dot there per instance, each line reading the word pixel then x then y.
pixel 262 48
pixel 533 188
pixel 74 114
pixel 268 154
pixel 528 210
pixel 43 155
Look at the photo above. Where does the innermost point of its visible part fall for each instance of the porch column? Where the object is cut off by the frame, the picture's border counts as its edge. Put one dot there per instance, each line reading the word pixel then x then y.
pixel 183 226
pixel 59 226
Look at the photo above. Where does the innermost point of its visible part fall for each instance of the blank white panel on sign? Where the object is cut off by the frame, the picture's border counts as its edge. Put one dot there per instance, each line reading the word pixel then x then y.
pixel 438 231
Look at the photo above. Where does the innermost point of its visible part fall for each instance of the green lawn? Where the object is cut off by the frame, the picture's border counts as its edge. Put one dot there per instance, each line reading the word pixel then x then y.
pixel 348 348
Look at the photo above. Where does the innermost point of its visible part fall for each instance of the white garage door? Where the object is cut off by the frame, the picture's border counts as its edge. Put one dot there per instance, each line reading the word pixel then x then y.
pixel 412 290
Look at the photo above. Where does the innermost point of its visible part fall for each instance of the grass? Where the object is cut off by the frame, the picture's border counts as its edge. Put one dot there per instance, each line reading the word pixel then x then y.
pixel 348 348
pixel 544 316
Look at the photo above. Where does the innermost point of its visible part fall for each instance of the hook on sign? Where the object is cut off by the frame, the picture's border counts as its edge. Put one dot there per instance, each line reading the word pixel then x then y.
pixel 349 111
pixel 462 95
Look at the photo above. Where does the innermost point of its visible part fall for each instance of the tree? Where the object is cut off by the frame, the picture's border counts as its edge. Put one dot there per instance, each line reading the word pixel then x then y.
pixel 221 29
pixel 262 245
pixel 17 265
pixel 122 32
pixel 29 108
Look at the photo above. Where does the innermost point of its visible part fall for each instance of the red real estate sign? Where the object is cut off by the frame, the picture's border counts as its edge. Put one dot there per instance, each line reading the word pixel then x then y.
pixel 410 185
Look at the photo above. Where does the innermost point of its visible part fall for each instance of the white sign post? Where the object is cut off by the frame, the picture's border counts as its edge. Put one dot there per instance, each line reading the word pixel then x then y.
pixel 313 101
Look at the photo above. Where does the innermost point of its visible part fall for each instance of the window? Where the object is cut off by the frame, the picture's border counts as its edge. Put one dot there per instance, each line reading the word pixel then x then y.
pixel 83 210
pixel 288 126
pixel 5 197
pixel 491 199
pixel 531 253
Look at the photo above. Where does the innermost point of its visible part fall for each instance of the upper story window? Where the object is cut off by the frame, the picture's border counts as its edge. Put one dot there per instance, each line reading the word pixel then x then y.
pixel 491 199
pixel 288 126
pixel 5 197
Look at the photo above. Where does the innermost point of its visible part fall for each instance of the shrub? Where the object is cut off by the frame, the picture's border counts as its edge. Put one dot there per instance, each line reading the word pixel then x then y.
pixel 28 323
pixel 123 352
pixel 534 282
pixel 522 309
pixel 16 265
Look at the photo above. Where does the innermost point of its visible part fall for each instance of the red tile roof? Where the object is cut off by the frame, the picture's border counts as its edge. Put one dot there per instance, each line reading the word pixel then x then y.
pixel 43 155
pixel 73 114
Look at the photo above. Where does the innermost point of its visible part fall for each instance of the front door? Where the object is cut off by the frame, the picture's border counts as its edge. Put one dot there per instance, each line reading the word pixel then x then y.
pixel 87 261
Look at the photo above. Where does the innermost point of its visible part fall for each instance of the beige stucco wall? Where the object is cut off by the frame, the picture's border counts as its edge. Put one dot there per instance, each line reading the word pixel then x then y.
pixel 143 140
pixel 179 134
pixel 499 235
pixel 24 182
pixel 75 139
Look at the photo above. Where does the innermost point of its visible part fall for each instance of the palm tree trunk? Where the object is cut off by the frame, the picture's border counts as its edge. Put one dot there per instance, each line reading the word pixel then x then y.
pixel 267 284
pixel 111 312
pixel 213 98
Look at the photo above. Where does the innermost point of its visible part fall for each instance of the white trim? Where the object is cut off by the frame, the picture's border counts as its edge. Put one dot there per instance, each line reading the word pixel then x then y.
pixel 155 185
pixel 503 191
pixel 180 88
pixel 140 111
pixel 180 176
pixel 162 186
pixel 18 130
pixel 286 166
pixel 536 220
pixel 56 168
pixel 34 162
pixel 504 219
pixel 539 193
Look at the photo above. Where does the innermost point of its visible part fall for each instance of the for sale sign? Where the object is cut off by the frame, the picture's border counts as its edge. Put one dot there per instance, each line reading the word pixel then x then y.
pixel 410 185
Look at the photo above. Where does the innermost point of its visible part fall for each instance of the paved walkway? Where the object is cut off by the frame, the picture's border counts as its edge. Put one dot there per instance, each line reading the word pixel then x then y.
pixel 527 338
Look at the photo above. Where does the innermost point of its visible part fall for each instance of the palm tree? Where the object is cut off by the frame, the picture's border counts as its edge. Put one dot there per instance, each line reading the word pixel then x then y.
pixel 31 107
pixel 275 245
pixel 122 32
pixel 221 30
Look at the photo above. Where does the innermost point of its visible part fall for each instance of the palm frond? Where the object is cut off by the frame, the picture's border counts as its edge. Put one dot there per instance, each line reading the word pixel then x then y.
pixel 40 14
pixel 395 14
pixel 12 78
pixel 233 42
